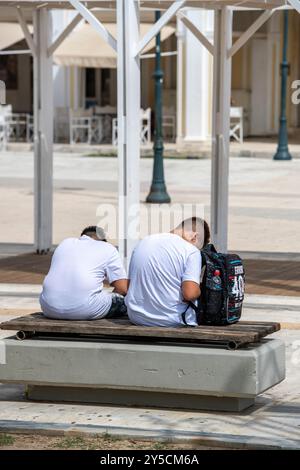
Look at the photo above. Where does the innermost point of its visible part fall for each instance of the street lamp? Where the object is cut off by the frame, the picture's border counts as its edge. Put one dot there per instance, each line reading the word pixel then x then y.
pixel 158 191
pixel 282 149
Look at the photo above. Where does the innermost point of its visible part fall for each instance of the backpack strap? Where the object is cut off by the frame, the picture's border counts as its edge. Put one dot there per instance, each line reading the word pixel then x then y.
pixel 209 248
pixel 190 304
pixel 183 316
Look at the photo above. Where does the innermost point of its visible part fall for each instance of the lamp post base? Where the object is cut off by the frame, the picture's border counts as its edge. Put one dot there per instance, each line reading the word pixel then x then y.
pixel 158 194
pixel 282 154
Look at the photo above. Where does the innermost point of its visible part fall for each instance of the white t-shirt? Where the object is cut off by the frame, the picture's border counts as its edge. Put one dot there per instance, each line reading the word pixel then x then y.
pixel 73 288
pixel 158 266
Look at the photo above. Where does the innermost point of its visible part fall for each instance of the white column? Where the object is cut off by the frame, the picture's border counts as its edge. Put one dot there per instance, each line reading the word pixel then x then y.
pixel 273 76
pixel 60 20
pixel 265 79
pixel 180 70
pixel 260 86
pixel 198 79
pixel 220 124
pixel 128 124
pixel 43 132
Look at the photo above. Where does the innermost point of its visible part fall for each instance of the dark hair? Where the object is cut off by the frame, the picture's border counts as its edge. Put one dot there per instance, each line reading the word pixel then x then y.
pixel 94 229
pixel 206 233
pixel 194 222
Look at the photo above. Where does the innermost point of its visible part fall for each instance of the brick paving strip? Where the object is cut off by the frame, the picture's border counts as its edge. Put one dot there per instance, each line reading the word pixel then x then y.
pixel 264 277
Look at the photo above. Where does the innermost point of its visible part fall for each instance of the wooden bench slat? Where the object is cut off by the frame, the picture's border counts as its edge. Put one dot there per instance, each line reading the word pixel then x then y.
pixel 240 333
pixel 131 330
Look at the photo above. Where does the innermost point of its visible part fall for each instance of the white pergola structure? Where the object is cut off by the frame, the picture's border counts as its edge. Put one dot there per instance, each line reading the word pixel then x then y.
pixel 129 48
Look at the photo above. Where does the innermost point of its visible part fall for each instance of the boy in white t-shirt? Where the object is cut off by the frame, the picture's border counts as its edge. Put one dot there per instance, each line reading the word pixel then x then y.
pixel 164 275
pixel 73 288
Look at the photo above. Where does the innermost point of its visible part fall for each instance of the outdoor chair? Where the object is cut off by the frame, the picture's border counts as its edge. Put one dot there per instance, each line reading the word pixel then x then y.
pixel 106 114
pixel 61 124
pixel 146 126
pixel 145 132
pixel 16 126
pixel 236 124
pixel 3 140
pixel 5 110
pixel 29 128
pixel 169 126
pixel 84 127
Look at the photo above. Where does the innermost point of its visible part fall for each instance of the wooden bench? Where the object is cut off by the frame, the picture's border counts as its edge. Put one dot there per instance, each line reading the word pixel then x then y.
pixel 232 336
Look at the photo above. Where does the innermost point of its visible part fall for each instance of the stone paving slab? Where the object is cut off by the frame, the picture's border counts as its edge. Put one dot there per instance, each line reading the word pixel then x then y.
pixel 256 431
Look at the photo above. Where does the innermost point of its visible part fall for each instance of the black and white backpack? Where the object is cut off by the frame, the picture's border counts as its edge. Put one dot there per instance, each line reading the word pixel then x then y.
pixel 222 288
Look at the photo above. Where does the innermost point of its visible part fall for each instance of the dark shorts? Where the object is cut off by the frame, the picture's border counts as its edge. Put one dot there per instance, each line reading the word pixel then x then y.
pixel 118 308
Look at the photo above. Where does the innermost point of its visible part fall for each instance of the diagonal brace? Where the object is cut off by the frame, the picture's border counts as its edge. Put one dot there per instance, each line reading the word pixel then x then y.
pixel 64 34
pixel 26 31
pixel 164 19
pixel 295 4
pixel 249 32
pixel 95 23
pixel 196 32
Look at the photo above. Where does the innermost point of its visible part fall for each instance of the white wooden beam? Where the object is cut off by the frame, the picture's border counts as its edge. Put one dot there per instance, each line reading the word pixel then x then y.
pixel 16 52
pixel 250 32
pixel 26 31
pixel 95 23
pixel 65 33
pixel 162 54
pixel 221 127
pixel 129 100
pixel 196 32
pixel 164 19
pixel 122 151
pixel 295 4
pixel 43 132
pixel 180 81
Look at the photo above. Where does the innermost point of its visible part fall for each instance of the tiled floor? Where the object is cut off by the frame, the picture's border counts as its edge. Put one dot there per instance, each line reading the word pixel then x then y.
pixel 262 276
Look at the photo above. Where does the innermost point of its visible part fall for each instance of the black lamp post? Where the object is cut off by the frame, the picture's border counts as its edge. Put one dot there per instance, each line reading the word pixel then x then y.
pixel 158 191
pixel 282 149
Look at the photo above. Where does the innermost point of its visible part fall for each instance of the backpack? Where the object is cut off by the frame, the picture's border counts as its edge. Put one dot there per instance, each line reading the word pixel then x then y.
pixel 222 288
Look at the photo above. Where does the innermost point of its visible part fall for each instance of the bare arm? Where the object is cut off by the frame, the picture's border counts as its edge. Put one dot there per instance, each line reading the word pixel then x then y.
pixel 190 290
pixel 120 286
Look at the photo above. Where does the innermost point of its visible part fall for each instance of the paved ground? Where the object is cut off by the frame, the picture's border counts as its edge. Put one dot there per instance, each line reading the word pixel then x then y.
pixel 252 147
pixel 269 277
pixel 20 299
pixel 264 196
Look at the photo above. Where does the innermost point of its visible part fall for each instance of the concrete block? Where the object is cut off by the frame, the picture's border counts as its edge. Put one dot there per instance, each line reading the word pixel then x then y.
pixel 143 374
pixel 137 398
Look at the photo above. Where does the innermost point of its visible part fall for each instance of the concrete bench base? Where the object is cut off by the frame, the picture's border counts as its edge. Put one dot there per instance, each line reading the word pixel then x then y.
pixel 137 398
pixel 161 375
